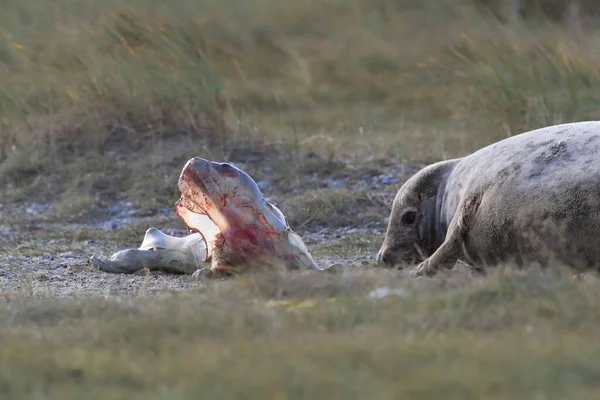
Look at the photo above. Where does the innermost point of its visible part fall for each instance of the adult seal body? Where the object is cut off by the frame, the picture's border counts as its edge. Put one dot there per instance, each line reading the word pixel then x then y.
pixel 533 198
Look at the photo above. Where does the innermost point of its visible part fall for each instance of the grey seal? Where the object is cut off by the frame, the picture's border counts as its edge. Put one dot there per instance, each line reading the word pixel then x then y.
pixel 533 198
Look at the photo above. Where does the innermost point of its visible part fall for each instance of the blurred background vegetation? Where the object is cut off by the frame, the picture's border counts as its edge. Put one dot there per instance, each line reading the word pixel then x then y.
pixel 108 99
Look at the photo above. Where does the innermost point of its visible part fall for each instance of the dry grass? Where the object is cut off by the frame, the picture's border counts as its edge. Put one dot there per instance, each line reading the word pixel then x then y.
pixel 331 208
pixel 88 88
pixel 504 337
pixel 106 100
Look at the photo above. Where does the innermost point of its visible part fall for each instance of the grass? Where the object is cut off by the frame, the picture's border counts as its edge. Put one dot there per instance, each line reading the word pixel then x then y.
pixel 348 246
pixel 502 337
pixel 105 101
pixel 334 207
pixel 88 88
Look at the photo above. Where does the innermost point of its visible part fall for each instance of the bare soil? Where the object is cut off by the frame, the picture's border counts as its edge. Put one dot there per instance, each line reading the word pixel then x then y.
pixel 41 256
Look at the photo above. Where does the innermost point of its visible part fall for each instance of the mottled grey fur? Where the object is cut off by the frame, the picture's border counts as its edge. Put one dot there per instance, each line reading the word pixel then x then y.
pixel 533 198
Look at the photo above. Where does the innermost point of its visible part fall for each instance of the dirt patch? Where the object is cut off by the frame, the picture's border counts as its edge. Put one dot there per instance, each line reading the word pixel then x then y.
pixel 42 257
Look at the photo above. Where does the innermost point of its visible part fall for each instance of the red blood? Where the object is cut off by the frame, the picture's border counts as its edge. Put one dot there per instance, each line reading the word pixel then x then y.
pixel 223 200
pixel 257 237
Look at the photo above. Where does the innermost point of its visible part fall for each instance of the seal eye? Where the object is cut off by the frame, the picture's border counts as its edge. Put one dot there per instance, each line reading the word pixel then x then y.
pixel 409 217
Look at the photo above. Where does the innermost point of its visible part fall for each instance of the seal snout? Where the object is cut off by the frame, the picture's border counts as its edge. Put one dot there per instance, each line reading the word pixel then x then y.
pixel 393 257
pixel 197 166
pixel 386 257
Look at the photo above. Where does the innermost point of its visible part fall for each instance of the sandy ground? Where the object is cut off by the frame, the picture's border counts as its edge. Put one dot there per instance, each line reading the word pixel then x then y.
pixel 39 258
pixel 60 267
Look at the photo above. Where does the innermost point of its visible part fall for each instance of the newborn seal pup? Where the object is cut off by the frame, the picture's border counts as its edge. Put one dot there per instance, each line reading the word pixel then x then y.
pixel 533 198
pixel 233 227
pixel 250 231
